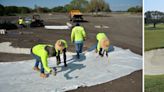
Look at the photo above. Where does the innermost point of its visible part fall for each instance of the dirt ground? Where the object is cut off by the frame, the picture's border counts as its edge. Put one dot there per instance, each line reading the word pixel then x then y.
pixel 130 83
pixel 124 31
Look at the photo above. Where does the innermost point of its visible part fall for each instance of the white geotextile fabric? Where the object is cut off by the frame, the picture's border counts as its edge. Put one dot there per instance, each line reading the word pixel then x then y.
pixel 154 62
pixel 56 27
pixel 89 70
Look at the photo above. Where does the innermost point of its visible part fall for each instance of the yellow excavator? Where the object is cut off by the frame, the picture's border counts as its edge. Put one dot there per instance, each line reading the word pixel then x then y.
pixel 75 15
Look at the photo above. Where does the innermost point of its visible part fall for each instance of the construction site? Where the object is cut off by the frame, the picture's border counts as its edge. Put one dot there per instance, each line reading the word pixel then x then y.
pixel 121 71
pixel 124 30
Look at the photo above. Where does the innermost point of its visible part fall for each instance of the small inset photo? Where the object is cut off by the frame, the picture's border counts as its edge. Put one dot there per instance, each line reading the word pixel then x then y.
pixel 154 46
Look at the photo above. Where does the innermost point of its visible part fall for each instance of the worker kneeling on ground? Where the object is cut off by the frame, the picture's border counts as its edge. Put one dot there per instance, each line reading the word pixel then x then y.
pixel 61 47
pixel 103 44
pixel 78 36
pixel 41 52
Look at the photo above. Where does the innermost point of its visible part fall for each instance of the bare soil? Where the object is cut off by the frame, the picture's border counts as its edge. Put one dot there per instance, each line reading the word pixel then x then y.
pixel 124 31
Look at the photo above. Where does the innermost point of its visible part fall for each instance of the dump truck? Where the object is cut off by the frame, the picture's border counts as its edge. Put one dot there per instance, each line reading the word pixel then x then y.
pixel 75 15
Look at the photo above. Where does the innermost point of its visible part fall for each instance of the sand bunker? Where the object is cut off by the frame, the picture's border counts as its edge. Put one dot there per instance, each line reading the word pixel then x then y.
pixel 154 62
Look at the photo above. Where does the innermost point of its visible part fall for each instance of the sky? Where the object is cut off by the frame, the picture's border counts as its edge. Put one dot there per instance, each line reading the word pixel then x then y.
pixel 115 5
pixel 152 5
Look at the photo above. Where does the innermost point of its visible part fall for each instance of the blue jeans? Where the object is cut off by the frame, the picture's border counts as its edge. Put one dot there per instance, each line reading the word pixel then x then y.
pixel 38 60
pixel 79 47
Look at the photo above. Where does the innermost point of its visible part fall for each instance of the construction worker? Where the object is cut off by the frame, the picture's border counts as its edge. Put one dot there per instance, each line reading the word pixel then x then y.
pixel 61 47
pixel 41 52
pixel 103 44
pixel 21 22
pixel 78 35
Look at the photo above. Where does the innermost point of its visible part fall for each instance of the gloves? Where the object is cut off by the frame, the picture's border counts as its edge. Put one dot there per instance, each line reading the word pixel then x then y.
pixel 84 38
pixel 53 71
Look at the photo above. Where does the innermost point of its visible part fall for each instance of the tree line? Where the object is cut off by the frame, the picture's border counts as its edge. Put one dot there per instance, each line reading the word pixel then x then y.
pixel 82 5
pixel 154 17
pixel 135 9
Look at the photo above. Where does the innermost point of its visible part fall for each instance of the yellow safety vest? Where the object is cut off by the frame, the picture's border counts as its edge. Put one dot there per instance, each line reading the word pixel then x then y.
pixel 20 21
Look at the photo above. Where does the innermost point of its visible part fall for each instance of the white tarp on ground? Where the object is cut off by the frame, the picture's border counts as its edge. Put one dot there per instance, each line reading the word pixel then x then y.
pixel 101 26
pixel 89 70
pixel 56 27
pixel 6 48
pixel 154 62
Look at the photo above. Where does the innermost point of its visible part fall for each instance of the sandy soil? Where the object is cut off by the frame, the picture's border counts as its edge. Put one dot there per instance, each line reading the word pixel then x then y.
pixel 153 62
pixel 124 31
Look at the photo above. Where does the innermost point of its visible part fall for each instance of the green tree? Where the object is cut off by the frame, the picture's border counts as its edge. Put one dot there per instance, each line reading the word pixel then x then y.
pixel 24 10
pixel 11 10
pixel 79 4
pixel 98 6
pixel 68 7
pixel 59 9
pixel 154 17
pixel 135 9
pixel 2 10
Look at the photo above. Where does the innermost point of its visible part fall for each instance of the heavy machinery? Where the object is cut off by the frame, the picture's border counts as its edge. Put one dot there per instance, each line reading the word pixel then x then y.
pixel 36 21
pixel 75 15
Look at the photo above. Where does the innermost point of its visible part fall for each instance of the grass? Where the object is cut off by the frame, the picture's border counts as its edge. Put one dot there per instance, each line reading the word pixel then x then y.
pixel 154 83
pixel 154 37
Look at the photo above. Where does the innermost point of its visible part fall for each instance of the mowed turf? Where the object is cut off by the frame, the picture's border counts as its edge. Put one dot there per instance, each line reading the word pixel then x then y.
pixel 154 83
pixel 154 37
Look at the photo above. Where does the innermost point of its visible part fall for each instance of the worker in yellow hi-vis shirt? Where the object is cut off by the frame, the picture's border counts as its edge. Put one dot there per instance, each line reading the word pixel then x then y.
pixel 21 22
pixel 41 52
pixel 103 44
pixel 61 47
pixel 78 36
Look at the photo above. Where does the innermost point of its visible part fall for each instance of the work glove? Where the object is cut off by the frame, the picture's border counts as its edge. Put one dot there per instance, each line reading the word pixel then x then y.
pixel 53 71
pixel 84 38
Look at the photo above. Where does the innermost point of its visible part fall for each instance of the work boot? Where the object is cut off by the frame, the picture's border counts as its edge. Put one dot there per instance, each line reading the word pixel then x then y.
pixel 36 68
pixel 43 75
pixel 65 65
pixel 78 56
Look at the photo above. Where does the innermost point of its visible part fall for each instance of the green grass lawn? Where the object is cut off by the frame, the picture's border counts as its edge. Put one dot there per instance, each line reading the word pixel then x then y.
pixel 154 83
pixel 154 37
